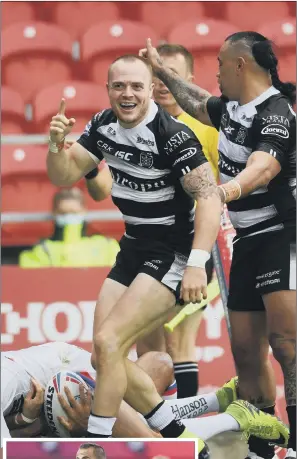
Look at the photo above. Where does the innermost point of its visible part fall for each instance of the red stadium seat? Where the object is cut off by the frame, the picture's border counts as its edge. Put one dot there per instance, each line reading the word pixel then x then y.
pixel 35 55
pixel 203 39
pixel 83 99
pixel 249 16
pixel 287 68
pixel 163 16
pixel 26 188
pixel 282 32
pixel 105 41
pixel 13 12
pixel 77 17
pixel 13 111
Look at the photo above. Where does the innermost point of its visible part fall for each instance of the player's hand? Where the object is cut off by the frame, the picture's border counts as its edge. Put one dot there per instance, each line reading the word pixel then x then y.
pixel 33 401
pixel 77 412
pixel 194 285
pixel 60 126
pixel 151 54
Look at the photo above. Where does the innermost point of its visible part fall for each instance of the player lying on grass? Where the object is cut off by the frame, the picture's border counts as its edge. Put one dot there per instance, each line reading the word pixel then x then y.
pixel 20 405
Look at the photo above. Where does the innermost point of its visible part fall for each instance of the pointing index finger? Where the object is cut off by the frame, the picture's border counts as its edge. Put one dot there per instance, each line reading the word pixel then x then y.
pixel 62 107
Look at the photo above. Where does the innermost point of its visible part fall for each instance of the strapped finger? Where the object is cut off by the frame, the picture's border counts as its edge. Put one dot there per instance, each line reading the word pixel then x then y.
pixel 62 107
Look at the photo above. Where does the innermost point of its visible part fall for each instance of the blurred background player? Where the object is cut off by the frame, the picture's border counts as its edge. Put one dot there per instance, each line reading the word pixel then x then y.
pixel 90 451
pixel 69 246
pixel 181 344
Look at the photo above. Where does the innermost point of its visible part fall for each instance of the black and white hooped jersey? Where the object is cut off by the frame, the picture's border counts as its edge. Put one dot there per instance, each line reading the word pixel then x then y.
pixel 146 163
pixel 268 123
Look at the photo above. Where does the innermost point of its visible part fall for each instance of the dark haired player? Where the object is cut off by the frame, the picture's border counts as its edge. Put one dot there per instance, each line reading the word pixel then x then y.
pixel 257 148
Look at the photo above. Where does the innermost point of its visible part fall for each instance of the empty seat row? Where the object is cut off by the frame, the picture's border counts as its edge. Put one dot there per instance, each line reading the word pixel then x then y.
pixel 77 17
pixel 36 55
pixel 26 188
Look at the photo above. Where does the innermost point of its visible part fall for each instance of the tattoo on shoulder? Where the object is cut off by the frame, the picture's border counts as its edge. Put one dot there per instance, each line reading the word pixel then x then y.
pixel 190 97
pixel 200 183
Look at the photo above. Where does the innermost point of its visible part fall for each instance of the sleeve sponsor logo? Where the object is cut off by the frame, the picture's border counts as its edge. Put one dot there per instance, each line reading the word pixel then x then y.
pixel 279 119
pixel 277 130
pixel 175 141
pixel 189 153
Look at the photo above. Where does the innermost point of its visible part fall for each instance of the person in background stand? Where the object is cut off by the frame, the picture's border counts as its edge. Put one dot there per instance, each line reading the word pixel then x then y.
pixel 69 246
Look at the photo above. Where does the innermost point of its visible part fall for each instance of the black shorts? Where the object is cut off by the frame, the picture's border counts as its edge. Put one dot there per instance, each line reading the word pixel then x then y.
pixel 151 257
pixel 261 264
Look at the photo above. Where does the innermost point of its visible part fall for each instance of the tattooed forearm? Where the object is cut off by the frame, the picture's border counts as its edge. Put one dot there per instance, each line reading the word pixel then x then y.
pixel 190 97
pixel 284 350
pixel 200 183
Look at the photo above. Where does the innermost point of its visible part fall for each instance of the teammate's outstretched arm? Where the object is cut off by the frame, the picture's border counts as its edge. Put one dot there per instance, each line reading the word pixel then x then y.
pixel 191 98
pixel 200 184
pixel 66 166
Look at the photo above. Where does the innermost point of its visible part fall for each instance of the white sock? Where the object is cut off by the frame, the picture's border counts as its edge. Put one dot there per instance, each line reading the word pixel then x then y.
pixel 210 426
pixel 100 425
pixel 193 407
pixel 161 417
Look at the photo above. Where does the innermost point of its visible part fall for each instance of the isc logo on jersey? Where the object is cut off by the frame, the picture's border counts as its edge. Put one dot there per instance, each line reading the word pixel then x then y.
pixel 52 407
pixel 276 129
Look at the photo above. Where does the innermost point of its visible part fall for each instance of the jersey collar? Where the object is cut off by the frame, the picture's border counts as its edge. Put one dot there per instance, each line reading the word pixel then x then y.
pixel 249 109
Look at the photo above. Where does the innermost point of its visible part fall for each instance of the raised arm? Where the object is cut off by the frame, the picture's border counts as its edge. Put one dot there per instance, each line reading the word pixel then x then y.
pixel 66 166
pixel 191 98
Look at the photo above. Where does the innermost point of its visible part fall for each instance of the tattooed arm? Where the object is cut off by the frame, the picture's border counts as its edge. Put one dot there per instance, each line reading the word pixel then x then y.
pixel 200 184
pixel 191 98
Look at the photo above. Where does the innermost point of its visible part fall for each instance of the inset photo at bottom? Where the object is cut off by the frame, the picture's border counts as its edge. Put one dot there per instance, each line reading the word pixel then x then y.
pixel 105 449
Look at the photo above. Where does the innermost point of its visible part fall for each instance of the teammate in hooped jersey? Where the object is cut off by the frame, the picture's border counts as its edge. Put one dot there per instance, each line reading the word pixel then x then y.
pixel 257 149
pixel 158 170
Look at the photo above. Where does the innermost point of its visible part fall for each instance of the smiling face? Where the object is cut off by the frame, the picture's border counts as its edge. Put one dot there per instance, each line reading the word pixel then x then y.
pixel 130 90
pixel 178 64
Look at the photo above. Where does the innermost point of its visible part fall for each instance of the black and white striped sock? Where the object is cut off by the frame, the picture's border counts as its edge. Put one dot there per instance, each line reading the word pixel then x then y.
pixel 186 375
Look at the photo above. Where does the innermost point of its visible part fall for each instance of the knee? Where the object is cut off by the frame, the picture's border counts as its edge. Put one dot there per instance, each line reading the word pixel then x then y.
pixel 105 347
pixel 283 347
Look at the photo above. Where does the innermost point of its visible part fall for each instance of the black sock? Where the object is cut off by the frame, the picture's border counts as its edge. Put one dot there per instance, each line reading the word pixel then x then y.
pixel 291 410
pixel 186 375
pixel 161 419
pixel 259 446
